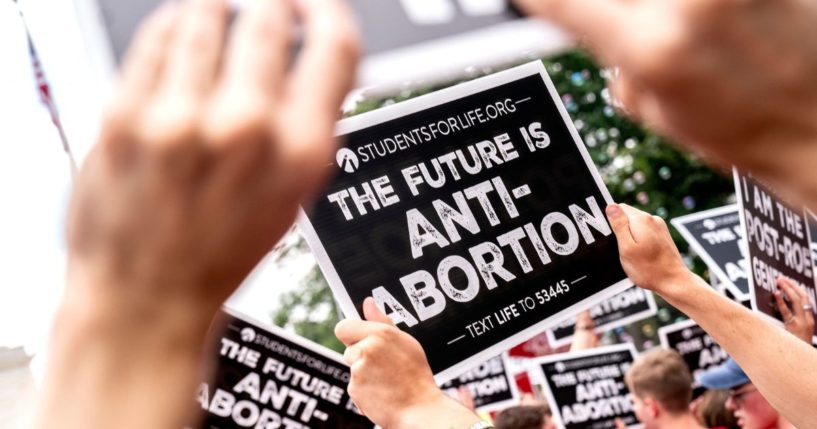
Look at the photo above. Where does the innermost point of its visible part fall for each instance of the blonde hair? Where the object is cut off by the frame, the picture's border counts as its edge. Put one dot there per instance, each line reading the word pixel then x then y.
pixel 663 375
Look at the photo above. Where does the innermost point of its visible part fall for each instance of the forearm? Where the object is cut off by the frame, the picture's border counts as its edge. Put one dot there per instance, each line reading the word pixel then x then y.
pixel 443 413
pixel 114 364
pixel 778 363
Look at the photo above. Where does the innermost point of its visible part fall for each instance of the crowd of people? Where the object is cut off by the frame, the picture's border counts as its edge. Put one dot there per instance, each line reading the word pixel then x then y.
pixel 212 142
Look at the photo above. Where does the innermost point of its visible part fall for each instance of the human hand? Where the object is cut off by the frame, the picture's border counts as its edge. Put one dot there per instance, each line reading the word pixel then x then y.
pixel 733 80
pixel 648 254
pixel 391 382
pixel 208 148
pixel 584 334
pixel 466 398
pixel 799 320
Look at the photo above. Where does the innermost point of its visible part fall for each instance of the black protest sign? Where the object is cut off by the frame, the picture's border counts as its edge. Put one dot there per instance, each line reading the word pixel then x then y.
pixel 473 215
pixel 586 390
pixel 491 384
pixel 630 306
pixel 717 237
pixel 266 377
pixel 699 350
pixel 777 241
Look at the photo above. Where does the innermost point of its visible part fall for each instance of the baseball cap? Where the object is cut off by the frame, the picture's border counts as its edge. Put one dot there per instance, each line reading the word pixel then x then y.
pixel 727 375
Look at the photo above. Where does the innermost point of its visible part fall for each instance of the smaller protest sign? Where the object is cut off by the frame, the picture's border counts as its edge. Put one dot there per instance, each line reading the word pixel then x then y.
pixel 586 389
pixel 491 384
pixel 778 244
pixel 630 306
pixel 716 236
pixel 267 377
pixel 535 347
pixel 699 350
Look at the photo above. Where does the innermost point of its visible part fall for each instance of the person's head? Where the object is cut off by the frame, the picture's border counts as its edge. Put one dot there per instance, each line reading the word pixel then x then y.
pixel 524 417
pixel 711 410
pixel 661 385
pixel 750 408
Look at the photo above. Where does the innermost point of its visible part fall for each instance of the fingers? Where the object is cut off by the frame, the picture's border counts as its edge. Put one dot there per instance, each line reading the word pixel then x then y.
pixel 792 291
pixel 260 48
pixel 585 319
pixel 351 354
pixel 799 300
pixel 145 59
pixel 601 21
pixel 620 424
pixel 351 331
pixel 373 314
pixel 620 224
pixel 465 397
pixel 197 47
pixel 325 70
pixel 785 313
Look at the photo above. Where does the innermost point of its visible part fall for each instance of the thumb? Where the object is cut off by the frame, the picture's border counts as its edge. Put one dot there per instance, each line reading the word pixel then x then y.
pixel 620 224
pixel 373 314
pixel 620 424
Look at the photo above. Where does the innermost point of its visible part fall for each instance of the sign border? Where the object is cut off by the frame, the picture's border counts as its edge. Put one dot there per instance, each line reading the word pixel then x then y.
pixel 501 405
pixel 641 315
pixel 753 298
pixel 675 327
pixel 289 336
pixel 435 99
pixel 680 225
pixel 536 364
pixel 805 213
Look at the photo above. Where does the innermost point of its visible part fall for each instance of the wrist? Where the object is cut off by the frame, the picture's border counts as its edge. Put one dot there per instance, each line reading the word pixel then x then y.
pixel 96 297
pixel 674 284
pixel 682 288
pixel 437 412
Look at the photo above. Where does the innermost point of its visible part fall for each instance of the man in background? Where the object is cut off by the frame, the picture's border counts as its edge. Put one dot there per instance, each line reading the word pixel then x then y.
pixel 525 417
pixel 661 385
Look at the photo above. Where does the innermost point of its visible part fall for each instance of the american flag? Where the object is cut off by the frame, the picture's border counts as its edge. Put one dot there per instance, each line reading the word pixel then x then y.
pixel 45 92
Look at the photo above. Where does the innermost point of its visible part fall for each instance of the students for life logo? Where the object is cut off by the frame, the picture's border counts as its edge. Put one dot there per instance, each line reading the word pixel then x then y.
pixel 436 12
pixel 248 335
pixel 347 160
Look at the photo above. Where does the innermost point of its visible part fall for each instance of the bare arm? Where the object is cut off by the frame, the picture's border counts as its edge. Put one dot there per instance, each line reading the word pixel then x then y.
pixel 584 334
pixel 204 157
pixel 778 363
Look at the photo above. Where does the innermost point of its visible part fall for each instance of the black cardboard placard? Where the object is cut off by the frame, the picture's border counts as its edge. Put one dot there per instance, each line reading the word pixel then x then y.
pixel 267 377
pixel 586 389
pixel 473 215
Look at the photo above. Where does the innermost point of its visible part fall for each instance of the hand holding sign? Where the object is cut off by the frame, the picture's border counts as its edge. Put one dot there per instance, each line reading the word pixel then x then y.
pixel 799 320
pixel 648 254
pixel 585 336
pixel 391 381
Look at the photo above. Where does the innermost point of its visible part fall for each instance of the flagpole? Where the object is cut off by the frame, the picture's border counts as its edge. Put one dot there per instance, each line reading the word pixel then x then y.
pixel 44 90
